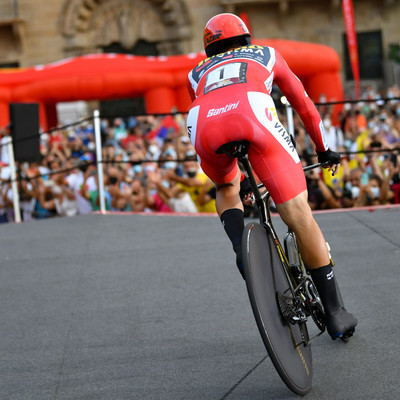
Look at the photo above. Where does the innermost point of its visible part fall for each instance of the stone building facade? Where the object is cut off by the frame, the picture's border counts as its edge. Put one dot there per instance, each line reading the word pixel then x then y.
pixel 34 32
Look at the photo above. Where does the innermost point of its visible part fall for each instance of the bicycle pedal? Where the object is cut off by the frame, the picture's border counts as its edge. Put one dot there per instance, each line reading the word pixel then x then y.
pixel 344 336
pixel 347 335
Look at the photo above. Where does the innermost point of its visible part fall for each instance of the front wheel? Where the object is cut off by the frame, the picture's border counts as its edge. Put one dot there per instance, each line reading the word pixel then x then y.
pixel 265 278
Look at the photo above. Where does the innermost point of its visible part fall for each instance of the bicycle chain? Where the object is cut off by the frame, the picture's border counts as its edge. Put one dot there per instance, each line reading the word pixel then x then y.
pixel 287 309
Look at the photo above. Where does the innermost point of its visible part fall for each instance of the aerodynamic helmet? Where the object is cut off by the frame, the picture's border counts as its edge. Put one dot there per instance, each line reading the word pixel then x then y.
pixel 223 31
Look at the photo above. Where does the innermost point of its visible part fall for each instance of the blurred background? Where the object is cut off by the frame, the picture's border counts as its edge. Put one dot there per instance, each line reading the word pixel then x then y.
pixel 33 33
pixel 71 57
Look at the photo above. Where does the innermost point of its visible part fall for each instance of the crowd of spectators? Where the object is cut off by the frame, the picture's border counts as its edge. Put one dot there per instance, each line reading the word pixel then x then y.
pixel 367 135
pixel 150 165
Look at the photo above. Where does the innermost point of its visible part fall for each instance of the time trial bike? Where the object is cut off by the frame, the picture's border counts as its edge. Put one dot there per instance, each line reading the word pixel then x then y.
pixel 283 296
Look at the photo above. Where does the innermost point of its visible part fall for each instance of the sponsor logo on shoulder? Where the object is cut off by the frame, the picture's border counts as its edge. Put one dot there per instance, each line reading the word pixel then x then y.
pixel 246 51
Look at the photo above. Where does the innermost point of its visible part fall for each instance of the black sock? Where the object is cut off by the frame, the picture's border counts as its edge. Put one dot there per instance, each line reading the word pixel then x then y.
pixel 233 223
pixel 325 283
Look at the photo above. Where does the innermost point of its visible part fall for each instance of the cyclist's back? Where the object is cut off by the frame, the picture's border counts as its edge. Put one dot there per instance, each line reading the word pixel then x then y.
pixel 252 65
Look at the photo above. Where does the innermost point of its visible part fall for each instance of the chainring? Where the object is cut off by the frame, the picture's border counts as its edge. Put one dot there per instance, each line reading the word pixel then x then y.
pixel 314 305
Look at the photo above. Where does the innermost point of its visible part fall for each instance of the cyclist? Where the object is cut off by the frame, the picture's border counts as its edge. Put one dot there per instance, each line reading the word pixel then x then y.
pixel 231 93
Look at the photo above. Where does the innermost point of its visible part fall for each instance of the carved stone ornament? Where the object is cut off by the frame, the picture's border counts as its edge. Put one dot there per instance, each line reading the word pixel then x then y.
pixel 92 24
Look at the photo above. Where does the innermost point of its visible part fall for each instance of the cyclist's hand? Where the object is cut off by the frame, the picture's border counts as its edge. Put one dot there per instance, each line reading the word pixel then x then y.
pixel 331 159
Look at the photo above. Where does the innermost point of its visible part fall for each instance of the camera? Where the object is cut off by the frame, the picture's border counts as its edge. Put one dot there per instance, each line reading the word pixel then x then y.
pixel 376 144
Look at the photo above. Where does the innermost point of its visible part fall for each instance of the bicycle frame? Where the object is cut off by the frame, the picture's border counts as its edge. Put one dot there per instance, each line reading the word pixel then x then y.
pixel 262 201
pixel 299 283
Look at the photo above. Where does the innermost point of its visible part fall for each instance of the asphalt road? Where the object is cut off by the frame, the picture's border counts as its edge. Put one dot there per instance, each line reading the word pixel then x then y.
pixel 151 307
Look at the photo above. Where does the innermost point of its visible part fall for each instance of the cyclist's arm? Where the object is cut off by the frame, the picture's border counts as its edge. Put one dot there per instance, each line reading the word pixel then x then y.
pixel 185 181
pixel 207 193
pixel 294 91
pixel 168 192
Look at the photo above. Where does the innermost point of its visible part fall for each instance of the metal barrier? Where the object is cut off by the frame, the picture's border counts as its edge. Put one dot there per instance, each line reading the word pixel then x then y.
pixel 100 162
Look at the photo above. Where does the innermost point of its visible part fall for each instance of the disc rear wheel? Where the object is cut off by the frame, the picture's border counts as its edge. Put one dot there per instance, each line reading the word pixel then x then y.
pixel 265 278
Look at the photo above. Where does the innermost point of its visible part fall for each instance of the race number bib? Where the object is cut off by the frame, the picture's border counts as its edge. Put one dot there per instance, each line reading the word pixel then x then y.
pixel 225 75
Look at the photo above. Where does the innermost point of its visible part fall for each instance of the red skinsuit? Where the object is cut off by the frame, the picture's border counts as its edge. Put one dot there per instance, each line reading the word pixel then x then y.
pixel 232 101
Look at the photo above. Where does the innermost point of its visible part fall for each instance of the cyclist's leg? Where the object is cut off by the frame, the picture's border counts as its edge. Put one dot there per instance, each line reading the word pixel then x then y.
pixel 227 196
pixel 283 176
pixel 224 172
pixel 230 210
pixel 207 136
pixel 296 213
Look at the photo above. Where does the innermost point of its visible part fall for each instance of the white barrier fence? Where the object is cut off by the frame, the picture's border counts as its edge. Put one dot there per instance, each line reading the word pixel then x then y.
pixel 100 172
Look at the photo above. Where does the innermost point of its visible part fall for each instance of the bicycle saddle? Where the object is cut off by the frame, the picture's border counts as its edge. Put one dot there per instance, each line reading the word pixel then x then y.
pixel 237 148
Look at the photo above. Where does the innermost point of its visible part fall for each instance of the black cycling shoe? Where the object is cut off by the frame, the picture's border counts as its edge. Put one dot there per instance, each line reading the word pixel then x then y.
pixel 340 324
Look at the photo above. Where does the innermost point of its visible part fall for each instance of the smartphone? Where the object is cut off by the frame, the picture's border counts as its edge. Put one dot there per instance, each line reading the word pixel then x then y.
pixel 364 179
pixel 393 159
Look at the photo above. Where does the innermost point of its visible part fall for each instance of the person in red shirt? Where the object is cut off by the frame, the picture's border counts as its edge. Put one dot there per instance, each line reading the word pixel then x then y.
pixel 231 93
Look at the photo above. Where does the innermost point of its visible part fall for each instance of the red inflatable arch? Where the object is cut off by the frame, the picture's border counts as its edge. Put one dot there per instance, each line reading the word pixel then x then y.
pixel 160 80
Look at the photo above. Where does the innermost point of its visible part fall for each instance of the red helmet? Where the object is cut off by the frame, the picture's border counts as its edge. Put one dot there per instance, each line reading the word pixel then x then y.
pixel 223 30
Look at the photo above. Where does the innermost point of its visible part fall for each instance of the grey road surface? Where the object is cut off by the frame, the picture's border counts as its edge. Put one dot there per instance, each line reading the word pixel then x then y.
pixel 151 307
